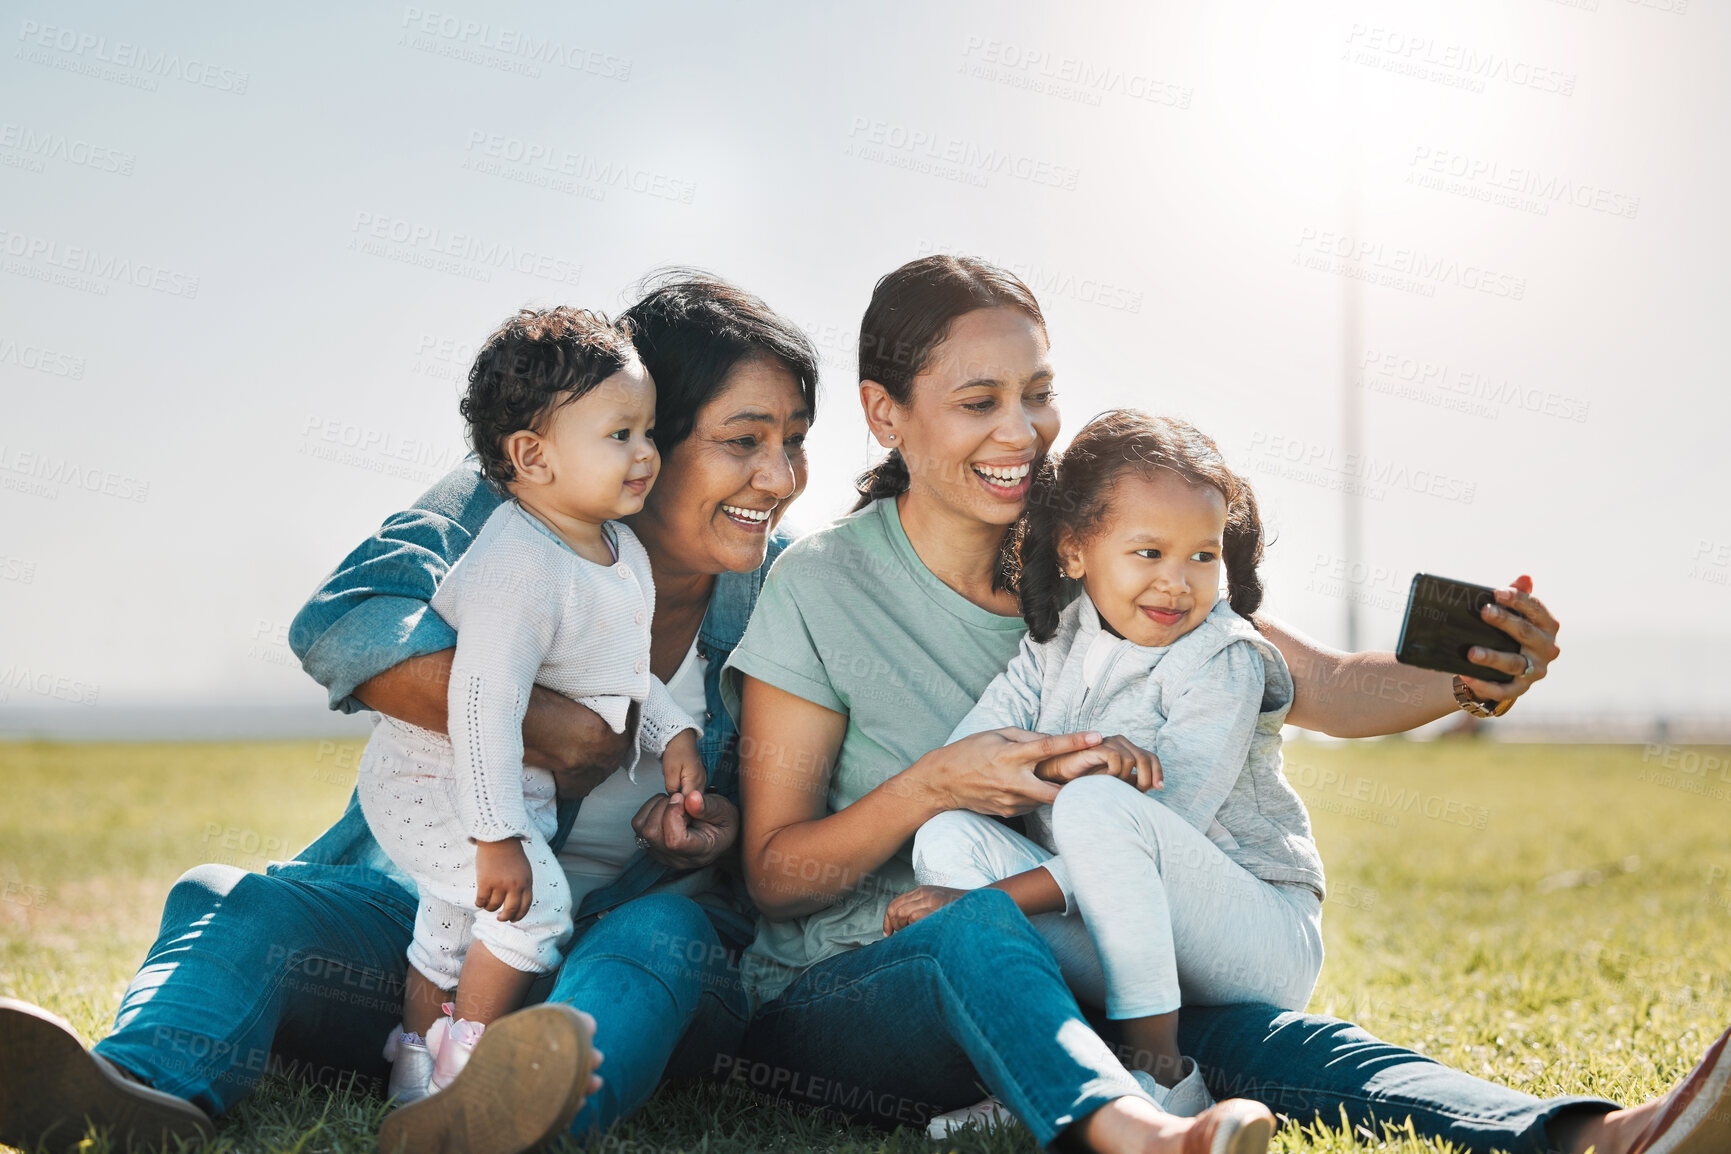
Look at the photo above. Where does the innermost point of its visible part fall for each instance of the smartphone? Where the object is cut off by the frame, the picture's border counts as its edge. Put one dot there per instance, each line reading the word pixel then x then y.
pixel 1443 624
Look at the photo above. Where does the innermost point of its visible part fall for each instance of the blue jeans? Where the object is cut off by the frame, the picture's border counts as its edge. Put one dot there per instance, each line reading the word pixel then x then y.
pixel 1311 1068
pixel 301 973
pixel 666 998
pixel 915 1025
pixel 969 1000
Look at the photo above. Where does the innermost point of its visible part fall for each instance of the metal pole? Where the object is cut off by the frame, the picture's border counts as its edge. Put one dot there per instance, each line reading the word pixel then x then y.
pixel 1351 352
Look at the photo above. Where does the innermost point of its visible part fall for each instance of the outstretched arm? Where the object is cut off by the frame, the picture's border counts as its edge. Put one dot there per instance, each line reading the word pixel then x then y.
pixel 1372 694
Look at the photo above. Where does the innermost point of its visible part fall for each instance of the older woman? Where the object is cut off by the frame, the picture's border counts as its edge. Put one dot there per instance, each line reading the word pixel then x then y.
pixel 302 968
pixel 872 639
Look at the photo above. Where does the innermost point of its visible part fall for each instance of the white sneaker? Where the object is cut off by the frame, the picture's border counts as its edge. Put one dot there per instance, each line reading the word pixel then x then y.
pixel 411 1066
pixel 1188 1098
pixel 989 1114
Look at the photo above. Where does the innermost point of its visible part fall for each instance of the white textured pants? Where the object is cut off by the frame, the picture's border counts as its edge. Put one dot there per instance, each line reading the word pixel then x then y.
pixel 408 792
pixel 1166 918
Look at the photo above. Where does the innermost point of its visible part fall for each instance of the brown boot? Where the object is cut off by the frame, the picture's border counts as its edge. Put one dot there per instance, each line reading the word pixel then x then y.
pixel 521 1087
pixel 1235 1126
pixel 52 1089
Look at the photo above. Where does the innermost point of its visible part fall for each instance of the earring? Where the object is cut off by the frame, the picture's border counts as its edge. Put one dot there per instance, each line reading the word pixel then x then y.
pixel 892 436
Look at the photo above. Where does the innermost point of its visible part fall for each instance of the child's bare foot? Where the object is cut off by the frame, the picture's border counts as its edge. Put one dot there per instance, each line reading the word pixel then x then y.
pixel 529 1075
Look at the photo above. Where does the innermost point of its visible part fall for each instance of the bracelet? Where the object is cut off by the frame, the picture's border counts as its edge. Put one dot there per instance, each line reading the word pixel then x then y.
pixel 1465 699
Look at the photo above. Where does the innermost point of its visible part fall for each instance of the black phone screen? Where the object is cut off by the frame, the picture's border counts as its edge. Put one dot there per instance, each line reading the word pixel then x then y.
pixel 1443 623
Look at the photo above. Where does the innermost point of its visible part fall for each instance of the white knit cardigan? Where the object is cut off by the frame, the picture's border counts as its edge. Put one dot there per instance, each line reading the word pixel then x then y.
pixel 528 611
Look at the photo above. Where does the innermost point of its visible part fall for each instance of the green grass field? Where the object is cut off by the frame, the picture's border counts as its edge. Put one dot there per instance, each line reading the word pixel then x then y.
pixel 1555 918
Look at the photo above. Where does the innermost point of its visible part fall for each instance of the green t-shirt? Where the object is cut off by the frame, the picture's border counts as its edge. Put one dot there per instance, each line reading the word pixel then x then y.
pixel 851 619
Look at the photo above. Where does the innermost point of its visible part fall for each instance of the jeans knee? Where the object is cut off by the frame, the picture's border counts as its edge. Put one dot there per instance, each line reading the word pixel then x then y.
pixel 203 884
pixel 961 928
pixel 251 920
pixel 658 919
pixel 983 939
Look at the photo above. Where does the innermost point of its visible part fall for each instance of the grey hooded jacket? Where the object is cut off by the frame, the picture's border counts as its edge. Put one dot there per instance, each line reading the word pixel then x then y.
pixel 1209 706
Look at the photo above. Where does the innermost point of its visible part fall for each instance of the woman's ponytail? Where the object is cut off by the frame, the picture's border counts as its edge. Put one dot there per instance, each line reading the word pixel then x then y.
pixel 888 478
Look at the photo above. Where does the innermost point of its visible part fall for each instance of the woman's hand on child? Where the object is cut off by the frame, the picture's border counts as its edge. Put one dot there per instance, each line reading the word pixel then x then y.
pixel 682 766
pixel 993 772
pixel 1116 756
pixel 908 908
pixel 504 883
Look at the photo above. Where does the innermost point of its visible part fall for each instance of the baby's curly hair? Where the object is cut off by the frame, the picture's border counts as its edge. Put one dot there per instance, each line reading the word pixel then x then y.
pixel 534 363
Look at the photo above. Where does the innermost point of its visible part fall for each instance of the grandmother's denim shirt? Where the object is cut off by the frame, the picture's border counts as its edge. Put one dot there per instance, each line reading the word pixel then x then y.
pixel 372 613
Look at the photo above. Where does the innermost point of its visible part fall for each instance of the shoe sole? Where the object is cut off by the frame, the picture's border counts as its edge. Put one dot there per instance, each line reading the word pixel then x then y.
pixel 1247 1129
pixel 1698 1119
pixel 52 1089
pixel 515 1093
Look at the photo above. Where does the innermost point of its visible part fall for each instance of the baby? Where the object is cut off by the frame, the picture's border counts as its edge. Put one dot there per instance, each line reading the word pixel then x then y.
pixel 553 592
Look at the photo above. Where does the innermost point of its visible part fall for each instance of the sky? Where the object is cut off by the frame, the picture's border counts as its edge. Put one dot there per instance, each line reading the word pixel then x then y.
pixel 246 257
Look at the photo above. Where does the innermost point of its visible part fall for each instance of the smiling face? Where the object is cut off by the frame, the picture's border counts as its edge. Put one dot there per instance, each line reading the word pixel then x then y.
pixel 1152 566
pixel 594 461
pixel 979 418
pixel 725 487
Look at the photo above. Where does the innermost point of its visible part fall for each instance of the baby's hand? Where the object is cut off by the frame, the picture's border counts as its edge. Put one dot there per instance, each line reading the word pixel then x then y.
pixel 1116 756
pixel 681 766
pixel 1130 762
pixel 504 883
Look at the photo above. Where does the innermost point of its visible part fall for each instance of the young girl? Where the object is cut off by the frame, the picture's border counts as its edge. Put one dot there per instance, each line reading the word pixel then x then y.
pixel 554 591
pixel 1185 851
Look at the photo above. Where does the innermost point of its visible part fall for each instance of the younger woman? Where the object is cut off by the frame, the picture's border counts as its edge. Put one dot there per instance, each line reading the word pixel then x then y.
pixel 1206 888
pixel 553 592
